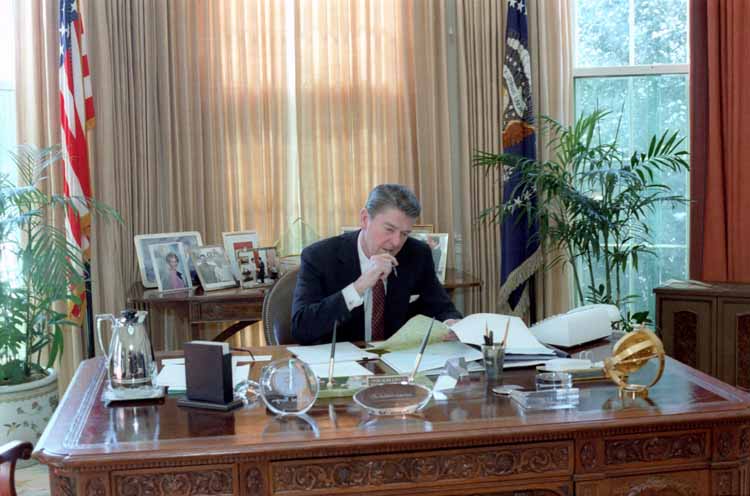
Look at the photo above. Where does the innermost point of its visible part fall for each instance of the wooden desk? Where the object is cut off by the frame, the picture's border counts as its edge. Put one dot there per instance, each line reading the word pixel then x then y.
pixel 241 306
pixel 692 437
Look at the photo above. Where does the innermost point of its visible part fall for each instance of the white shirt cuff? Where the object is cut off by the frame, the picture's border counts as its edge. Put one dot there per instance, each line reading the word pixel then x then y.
pixel 351 297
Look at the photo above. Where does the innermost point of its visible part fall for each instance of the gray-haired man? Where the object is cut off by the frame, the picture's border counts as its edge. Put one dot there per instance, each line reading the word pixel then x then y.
pixel 366 280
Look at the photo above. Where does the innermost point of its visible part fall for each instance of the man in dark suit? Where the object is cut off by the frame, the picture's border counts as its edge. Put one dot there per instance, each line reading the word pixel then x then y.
pixel 365 279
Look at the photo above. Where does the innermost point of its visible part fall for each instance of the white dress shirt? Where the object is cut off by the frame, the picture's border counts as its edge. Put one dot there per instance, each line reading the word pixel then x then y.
pixel 352 297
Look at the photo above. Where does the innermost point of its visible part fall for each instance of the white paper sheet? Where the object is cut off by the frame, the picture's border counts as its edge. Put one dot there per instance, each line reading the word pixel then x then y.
pixel 173 376
pixel 470 330
pixel 340 369
pixel 235 360
pixel 435 356
pixel 345 352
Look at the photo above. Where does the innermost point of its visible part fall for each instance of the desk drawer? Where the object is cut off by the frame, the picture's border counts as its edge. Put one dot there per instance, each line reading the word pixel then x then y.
pixel 216 480
pixel 409 471
pixel 221 311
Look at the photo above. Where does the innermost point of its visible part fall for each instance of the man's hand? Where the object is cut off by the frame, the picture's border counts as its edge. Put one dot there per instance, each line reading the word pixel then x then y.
pixel 379 267
pixel 451 336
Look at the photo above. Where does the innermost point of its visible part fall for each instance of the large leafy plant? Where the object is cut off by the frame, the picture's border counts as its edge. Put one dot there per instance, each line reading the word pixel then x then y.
pixel 41 268
pixel 590 201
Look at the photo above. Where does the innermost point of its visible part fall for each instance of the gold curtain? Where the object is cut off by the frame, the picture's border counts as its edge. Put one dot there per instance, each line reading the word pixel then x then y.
pixel 479 40
pixel 231 115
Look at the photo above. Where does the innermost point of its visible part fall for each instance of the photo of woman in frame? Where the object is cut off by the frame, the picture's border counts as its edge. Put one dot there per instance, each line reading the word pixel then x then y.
pixel 171 266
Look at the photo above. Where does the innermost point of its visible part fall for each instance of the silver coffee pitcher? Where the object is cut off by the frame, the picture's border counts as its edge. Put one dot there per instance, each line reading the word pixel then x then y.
pixel 130 360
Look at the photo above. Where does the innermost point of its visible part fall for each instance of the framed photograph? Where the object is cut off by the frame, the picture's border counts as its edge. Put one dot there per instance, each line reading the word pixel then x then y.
pixel 423 228
pixel 170 263
pixel 213 267
pixel 144 241
pixel 235 242
pixel 258 267
pixel 438 243
pixel 346 229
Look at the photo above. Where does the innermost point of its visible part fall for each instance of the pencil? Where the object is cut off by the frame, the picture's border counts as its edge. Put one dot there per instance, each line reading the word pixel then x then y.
pixel 505 337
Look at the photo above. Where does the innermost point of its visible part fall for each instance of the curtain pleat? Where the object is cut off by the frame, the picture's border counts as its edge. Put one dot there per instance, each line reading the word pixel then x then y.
pixel 230 115
pixel 720 236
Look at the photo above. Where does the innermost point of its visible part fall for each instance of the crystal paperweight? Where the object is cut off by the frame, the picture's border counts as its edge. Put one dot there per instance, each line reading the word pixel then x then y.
pixel 393 399
pixel 546 399
pixel 288 387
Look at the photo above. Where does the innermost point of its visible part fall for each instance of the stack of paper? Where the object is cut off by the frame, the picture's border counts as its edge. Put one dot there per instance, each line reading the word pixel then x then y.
pixel 433 359
pixel 347 356
pixel 172 374
pixel 520 340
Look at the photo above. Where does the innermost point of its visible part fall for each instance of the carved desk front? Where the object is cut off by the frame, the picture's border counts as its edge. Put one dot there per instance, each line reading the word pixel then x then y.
pixel 692 437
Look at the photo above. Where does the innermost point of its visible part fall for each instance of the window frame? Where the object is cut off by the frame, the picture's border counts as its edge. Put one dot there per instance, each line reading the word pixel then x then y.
pixel 635 70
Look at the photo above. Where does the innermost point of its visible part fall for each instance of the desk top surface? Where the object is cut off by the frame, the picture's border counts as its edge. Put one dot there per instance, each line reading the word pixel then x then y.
pixel 84 429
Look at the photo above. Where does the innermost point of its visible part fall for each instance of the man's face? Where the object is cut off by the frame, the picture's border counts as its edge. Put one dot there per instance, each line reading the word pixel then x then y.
pixel 386 232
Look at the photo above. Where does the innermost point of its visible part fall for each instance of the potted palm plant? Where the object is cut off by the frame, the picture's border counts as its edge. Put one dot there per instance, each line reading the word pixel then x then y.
pixel 593 201
pixel 39 271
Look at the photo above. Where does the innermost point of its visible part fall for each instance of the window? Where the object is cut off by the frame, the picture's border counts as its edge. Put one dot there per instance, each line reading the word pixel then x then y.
pixel 7 87
pixel 7 113
pixel 631 57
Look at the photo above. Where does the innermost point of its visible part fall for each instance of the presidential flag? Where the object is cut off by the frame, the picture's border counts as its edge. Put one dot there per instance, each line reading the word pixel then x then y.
pixel 76 117
pixel 520 255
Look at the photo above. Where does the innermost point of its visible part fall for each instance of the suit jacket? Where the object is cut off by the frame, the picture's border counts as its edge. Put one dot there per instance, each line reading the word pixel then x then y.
pixel 330 265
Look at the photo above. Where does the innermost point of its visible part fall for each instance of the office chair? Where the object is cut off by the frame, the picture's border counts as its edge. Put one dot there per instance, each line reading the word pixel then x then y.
pixel 9 455
pixel 277 310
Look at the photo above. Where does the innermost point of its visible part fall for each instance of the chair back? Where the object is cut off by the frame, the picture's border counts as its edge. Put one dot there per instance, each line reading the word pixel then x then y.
pixel 277 310
pixel 10 453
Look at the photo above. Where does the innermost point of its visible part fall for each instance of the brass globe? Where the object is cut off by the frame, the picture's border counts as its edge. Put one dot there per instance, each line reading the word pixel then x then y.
pixel 629 355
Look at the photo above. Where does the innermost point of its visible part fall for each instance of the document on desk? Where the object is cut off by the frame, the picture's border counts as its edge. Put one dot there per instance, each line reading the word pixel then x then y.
pixel 173 376
pixel 321 353
pixel 411 333
pixel 521 341
pixel 340 369
pixel 236 359
pixel 435 356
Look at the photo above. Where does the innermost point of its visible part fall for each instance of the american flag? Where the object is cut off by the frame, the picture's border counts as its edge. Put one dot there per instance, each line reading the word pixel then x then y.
pixel 76 117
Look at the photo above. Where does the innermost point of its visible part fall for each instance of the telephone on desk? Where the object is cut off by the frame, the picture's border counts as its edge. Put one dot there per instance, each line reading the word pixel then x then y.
pixel 580 325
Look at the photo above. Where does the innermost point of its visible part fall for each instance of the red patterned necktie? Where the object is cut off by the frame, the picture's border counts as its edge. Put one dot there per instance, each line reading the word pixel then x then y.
pixel 378 311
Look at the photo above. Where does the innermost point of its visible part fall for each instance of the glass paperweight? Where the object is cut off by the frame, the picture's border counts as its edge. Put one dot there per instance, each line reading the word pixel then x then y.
pixel 393 399
pixel 546 399
pixel 553 380
pixel 288 386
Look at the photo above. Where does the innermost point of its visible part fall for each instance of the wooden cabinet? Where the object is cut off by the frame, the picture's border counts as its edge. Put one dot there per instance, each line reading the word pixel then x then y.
pixel 707 326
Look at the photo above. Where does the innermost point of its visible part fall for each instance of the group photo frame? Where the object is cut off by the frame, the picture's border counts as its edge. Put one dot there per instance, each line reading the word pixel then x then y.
pixel 259 266
pixel 171 268
pixel 235 242
pixel 438 244
pixel 213 267
pixel 189 239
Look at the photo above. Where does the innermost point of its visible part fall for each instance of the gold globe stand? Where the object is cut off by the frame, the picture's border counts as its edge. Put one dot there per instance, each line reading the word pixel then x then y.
pixel 629 355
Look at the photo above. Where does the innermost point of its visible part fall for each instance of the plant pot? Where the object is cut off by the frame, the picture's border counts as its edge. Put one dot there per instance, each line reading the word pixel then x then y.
pixel 25 410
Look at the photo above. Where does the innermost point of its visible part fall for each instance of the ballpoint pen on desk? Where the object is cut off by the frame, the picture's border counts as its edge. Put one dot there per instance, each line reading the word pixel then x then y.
pixel 421 351
pixel 329 385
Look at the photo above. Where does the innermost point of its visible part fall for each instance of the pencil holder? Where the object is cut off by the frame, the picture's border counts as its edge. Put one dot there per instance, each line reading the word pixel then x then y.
pixel 494 359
